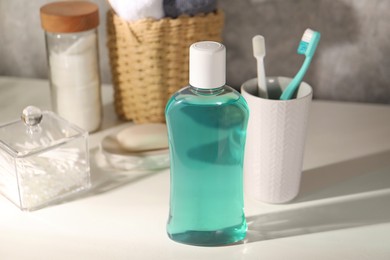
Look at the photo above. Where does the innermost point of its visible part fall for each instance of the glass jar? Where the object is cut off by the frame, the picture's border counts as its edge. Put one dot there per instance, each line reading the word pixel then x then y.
pixel 72 53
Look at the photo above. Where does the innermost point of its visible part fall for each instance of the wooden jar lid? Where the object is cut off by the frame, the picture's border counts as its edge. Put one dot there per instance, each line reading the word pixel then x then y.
pixel 69 16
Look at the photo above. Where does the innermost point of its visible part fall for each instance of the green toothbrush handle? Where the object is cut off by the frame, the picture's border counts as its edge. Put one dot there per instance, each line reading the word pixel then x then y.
pixel 294 84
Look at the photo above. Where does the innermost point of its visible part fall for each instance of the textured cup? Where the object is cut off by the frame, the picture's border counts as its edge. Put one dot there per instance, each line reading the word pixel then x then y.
pixel 275 141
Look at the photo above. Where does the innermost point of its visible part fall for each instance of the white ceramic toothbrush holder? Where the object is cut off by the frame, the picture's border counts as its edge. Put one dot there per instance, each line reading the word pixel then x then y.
pixel 275 141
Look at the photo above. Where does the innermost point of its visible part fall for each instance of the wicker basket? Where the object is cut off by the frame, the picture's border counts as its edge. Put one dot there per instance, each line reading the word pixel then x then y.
pixel 149 60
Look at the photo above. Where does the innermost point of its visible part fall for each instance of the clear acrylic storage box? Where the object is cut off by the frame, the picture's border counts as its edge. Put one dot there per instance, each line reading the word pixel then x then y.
pixel 43 159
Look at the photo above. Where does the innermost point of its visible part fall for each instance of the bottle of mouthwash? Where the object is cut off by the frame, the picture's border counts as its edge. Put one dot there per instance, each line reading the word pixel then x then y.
pixel 207 123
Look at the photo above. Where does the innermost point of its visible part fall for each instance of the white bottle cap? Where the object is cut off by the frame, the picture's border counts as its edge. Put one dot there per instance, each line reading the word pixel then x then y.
pixel 207 65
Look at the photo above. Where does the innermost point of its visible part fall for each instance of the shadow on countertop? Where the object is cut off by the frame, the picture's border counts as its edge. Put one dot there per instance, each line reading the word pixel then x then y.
pixel 362 189
pixel 348 213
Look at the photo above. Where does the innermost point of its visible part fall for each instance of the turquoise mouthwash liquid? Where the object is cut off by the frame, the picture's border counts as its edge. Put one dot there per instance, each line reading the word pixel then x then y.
pixel 207 130
pixel 207 137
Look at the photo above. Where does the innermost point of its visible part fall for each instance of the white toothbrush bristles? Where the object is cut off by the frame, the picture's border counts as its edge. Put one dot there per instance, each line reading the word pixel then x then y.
pixel 258 43
pixel 258 46
pixel 307 35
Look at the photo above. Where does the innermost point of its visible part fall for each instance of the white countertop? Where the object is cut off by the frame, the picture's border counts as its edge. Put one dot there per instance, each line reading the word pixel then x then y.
pixel 342 211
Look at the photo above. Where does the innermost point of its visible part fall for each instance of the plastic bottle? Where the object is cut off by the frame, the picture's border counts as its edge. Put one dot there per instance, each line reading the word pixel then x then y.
pixel 207 123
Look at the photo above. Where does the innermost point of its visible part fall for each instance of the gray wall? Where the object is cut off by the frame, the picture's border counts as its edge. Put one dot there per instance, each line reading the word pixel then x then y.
pixel 22 43
pixel 352 62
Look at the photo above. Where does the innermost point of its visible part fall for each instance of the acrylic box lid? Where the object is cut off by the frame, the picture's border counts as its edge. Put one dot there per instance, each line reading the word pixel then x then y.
pixel 37 131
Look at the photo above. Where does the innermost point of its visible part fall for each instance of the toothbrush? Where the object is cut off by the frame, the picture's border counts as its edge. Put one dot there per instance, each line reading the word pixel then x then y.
pixel 259 53
pixel 306 47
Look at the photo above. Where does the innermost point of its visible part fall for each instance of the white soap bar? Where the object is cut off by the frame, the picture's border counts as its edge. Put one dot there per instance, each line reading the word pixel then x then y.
pixel 143 137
